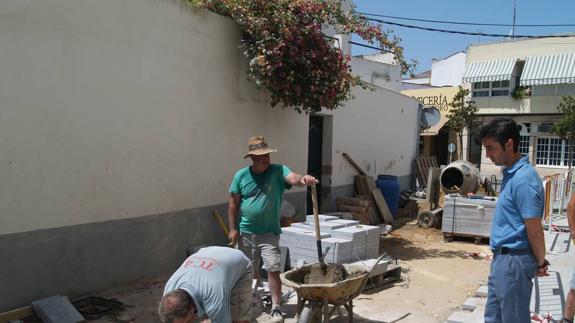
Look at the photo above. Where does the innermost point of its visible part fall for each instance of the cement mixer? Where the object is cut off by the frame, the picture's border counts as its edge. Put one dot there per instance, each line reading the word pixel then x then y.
pixel 459 177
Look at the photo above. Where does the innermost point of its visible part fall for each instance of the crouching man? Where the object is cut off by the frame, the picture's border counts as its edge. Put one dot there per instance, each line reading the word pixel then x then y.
pixel 215 281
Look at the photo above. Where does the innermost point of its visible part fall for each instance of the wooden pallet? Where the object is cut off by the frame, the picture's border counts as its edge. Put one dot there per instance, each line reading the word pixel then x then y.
pixel 392 274
pixel 448 237
pixel 422 165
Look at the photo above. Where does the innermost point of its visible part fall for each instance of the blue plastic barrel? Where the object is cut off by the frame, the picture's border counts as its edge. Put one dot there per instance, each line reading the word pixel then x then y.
pixel 389 187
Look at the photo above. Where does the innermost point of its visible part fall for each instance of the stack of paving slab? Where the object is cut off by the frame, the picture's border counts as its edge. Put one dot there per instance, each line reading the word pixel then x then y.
pixel 470 217
pixel 348 241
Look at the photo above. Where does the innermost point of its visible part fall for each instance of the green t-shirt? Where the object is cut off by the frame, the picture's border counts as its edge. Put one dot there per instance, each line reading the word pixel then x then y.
pixel 261 198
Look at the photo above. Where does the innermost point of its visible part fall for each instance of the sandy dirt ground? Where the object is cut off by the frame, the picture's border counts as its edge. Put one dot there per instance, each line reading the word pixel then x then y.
pixel 437 277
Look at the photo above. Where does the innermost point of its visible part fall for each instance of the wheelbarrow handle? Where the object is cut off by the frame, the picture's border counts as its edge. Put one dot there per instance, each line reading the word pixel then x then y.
pixel 376 262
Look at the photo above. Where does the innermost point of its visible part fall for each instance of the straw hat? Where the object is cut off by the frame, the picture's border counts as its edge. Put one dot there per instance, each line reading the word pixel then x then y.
pixel 257 146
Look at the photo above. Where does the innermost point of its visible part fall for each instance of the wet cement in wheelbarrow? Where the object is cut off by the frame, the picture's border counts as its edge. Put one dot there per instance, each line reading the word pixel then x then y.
pixel 334 273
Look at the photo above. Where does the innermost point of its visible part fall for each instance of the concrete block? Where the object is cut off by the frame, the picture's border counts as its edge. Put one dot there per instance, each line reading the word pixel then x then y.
pixel 57 309
pixel 474 302
pixel 477 316
pixel 459 317
pixel 481 291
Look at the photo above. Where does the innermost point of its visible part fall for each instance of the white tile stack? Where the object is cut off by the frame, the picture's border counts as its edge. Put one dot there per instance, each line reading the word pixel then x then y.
pixel 463 216
pixel 346 223
pixel 322 218
pixel 365 240
pixel 348 241
pixel 323 226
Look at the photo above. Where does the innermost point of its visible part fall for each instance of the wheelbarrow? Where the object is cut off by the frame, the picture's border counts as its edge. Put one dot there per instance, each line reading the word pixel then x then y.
pixel 313 300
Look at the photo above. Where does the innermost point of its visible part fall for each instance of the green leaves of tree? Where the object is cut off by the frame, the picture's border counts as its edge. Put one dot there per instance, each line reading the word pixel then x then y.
pixel 565 128
pixel 462 114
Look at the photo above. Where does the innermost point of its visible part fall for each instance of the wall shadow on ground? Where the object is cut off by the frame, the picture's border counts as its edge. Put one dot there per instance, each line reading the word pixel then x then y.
pixel 412 243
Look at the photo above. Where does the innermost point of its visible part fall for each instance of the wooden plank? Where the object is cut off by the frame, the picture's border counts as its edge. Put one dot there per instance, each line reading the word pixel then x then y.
pixel 16 314
pixel 363 184
pixel 362 218
pixel 448 237
pixel 371 186
pixel 360 187
pixel 374 215
pixel 433 186
pixel 421 174
pixel 370 182
pixel 423 164
pixel 353 163
pixel 351 208
pixel 382 206
pixel 426 165
pixel 351 201
pixel 434 162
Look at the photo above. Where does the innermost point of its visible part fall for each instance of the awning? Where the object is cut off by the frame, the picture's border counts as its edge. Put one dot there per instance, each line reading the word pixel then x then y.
pixel 494 70
pixel 434 130
pixel 551 69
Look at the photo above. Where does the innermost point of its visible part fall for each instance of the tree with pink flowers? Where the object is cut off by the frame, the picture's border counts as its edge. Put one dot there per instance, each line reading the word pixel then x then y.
pixel 290 55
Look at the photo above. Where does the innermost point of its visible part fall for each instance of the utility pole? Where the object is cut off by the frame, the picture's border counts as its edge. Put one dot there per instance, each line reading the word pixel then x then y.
pixel 514 14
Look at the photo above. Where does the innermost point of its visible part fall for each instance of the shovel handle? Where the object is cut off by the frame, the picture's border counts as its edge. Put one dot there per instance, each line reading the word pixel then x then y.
pixel 316 221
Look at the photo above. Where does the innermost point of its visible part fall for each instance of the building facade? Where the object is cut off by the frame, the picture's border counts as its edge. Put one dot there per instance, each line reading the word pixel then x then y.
pixel 525 80
pixel 435 89
pixel 435 139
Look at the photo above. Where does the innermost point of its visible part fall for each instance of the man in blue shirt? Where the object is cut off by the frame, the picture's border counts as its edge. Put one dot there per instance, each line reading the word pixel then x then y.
pixel 216 282
pixel 516 239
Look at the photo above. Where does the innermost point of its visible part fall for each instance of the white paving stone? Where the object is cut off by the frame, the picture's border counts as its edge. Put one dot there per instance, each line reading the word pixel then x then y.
pixel 459 317
pixel 481 291
pixel 474 302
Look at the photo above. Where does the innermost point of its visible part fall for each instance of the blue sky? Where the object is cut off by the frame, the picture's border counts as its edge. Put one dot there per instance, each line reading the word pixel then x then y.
pixel 424 45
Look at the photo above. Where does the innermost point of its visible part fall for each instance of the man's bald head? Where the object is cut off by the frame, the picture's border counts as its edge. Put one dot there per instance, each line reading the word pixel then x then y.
pixel 176 306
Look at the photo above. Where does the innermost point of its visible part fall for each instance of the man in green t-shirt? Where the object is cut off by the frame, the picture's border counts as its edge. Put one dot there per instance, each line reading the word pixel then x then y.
pixel 256 194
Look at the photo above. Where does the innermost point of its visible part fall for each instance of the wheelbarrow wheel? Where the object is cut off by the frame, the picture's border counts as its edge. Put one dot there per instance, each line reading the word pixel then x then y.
pixel 426 219
pixel 311 313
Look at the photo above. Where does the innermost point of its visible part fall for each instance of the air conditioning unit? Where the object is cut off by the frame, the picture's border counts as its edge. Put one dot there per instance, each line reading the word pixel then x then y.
pixel 544 127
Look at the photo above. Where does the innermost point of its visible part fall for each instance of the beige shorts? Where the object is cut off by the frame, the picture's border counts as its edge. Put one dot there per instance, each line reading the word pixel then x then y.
pixel 241 297
pixel 262 247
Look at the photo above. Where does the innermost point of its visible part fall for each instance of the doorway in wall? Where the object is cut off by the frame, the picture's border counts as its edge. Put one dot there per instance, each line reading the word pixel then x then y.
pixel 475 148
pixel 314 156
pixel 440 146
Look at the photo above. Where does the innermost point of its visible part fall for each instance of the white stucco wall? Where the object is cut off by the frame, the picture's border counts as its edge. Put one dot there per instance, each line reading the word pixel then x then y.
pixel 379 130
pixel 386 58
pixel 380 74
pixel 448 71
pixel 117 109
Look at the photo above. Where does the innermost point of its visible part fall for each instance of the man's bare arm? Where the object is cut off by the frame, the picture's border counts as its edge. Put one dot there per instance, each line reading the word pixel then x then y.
pixel 537 243
pixel 233 212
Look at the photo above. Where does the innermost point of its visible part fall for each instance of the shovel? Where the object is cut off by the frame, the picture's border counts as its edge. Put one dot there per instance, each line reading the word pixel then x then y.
pixel 317 233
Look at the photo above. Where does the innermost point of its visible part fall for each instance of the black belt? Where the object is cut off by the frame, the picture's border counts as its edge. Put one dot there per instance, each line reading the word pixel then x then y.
pixel 510 251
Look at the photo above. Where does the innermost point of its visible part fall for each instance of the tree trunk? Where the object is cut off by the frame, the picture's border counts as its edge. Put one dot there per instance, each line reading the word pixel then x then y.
pixel 460 145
